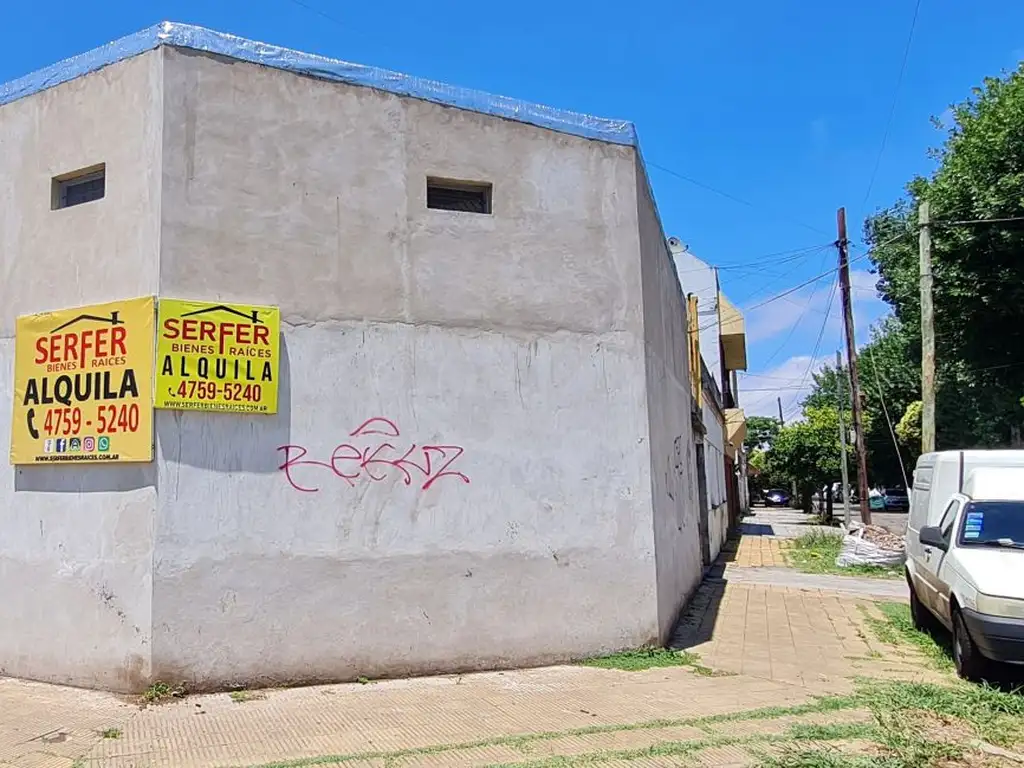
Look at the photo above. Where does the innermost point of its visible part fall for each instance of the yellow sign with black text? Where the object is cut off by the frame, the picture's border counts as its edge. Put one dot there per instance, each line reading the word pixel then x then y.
pixel 217 357
pixel 83 385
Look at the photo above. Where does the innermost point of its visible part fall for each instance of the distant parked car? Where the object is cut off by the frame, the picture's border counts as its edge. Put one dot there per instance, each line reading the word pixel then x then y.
pixel 895 499
pixel 776 498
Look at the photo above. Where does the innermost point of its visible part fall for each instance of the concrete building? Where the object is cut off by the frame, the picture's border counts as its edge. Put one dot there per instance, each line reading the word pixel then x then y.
pixel 717 341
pixel 484 278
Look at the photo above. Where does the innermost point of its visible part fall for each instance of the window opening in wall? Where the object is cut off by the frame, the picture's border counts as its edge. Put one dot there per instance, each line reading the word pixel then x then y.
pixel 77 187
pixel 468 196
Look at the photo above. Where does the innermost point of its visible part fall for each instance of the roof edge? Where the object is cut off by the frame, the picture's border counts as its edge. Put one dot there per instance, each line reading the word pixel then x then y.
pixel 207 40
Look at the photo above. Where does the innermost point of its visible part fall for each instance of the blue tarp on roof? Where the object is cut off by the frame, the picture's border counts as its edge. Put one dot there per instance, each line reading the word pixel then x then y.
pixel 201 39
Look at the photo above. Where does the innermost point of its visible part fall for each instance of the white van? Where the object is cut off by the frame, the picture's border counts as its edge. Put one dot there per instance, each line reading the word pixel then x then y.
pixel 965 554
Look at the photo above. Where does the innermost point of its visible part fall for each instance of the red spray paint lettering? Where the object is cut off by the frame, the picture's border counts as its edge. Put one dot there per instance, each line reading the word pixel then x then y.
pixel 374 461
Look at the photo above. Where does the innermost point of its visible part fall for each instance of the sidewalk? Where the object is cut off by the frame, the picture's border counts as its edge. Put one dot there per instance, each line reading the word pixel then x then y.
pixel 758 646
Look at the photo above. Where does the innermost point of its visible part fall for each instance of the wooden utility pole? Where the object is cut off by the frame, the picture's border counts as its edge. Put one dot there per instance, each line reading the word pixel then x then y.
pixel 841 404
pixel 927 331
pixel 851 358
pixel 782 422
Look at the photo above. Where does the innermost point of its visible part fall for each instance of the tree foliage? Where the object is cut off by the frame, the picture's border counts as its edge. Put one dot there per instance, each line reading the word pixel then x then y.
pixel 979 307
pixel 808 450
pixel 761 432
pixel 978 269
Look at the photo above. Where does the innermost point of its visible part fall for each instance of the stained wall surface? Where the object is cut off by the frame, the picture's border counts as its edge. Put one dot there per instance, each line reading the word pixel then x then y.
pixel 675 504
pixel 513 341
pixel 76 543
pixel 482 453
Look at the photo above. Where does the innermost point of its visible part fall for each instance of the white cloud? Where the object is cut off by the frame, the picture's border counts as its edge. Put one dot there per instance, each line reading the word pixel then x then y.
pixel 864 281
pixel 809 305
pixel 791 381
pixel 777 316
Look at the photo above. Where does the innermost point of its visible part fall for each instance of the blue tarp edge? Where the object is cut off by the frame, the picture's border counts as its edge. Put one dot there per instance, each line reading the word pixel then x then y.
pixel 202 39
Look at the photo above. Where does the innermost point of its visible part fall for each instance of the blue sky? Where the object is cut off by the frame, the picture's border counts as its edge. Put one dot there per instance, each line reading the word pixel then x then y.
pixel 781 104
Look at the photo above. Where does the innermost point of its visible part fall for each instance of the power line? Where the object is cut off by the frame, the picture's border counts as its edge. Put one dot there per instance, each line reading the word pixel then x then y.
pixel 821 333
pixel 792 328
pixel 967 222
pixel 760 261
pixel 895 100
pixel 885 410
pixel 796 288
pixel 804 284
pixel 318 12
pixel 746 375
pixel 734 198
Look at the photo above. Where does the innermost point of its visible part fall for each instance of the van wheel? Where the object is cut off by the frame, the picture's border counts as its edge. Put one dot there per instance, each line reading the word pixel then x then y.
pixel 970 664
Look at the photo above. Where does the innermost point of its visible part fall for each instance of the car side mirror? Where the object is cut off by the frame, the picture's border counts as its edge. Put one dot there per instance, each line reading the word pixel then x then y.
pixel 931 536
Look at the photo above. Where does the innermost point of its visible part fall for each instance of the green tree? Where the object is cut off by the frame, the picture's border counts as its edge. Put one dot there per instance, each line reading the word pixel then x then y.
pixel 761 432
pixel 979 275
pixel 808 452
pixel 909 428
pixel 889 374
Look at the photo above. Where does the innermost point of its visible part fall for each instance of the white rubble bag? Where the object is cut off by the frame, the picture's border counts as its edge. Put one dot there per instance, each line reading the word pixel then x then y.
pixel 871 546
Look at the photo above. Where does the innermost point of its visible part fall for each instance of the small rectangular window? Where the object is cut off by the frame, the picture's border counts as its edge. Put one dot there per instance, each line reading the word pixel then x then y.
pixel 77 187
pixel 468 196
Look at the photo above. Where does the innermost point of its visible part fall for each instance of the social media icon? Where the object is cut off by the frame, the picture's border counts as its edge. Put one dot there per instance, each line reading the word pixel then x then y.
pixel 104 444
pixel 76 444
pixel 47 446
pixel 89 444
pixel 62 445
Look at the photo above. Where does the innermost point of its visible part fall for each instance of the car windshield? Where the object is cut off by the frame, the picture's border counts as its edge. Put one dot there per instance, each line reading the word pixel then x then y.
pixel 894 492
pixel 993 524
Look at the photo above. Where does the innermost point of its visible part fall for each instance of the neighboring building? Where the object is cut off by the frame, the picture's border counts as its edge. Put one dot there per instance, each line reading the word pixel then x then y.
pixel 485 277
pixel 717 350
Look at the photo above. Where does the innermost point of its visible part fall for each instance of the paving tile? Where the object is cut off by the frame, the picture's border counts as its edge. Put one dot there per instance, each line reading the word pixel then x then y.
pixel 780 639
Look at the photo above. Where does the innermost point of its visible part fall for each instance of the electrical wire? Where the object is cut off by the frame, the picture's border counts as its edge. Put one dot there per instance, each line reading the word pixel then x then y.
pixel 318 12
pixel 761 260
pixel 892 106
pixel 967 222
pixel 885 410
pixel 821 333
pixel 794 326
pixel 734 198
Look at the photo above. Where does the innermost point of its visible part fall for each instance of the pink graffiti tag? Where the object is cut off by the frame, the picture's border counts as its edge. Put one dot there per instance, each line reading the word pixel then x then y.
pixel 350 462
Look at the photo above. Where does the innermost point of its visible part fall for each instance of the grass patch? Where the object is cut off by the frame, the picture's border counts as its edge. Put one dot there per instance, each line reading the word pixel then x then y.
pixel 160 691
pixel 643 658
pixel 816 552
pixel 649 657
pixel 990 714
pixel 897 628
pixel 524 742
pixel 915 725
pixel 240 697
pixel 111 733
pixel 832 732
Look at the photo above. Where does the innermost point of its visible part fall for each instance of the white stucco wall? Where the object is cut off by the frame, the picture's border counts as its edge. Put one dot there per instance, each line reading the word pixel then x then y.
pixel 76 543
pixel 542 348
pixel 517 337
pixel 714 470
pixel 673 456
pixel 698 277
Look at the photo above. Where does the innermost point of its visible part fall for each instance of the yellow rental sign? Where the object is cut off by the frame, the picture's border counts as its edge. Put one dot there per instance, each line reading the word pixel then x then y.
pixel 83 385
pixel 217 357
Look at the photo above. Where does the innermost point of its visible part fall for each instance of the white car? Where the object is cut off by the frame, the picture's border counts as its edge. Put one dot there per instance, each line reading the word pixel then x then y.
pixel 965 554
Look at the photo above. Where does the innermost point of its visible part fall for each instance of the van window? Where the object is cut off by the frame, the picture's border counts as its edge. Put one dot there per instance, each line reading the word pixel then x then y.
pixel 993 523
pixel 948 518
